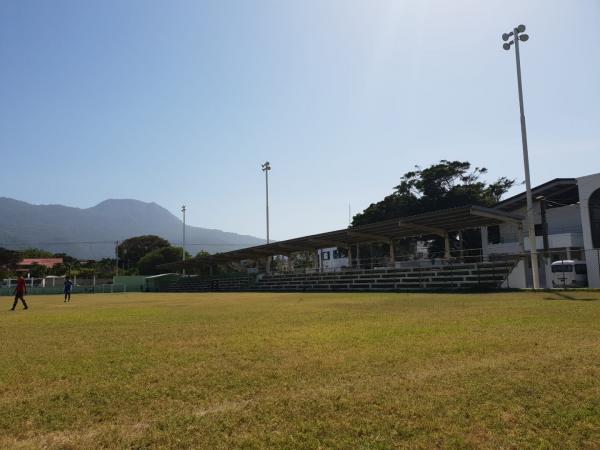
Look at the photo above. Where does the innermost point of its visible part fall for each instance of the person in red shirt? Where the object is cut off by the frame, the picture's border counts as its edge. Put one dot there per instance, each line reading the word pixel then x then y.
pixel 20 292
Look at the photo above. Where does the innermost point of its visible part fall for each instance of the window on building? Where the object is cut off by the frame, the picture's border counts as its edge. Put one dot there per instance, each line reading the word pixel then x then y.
pixel 325 255
pixel 580 269
pixel 494 234
pixel 340 253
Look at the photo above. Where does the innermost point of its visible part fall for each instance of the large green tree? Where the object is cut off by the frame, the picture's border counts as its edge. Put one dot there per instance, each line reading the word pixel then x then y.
pixel 8 261
pixel 443 185
pixel 9 257
pixel 133 249
pixel 148 264
pixel 36 253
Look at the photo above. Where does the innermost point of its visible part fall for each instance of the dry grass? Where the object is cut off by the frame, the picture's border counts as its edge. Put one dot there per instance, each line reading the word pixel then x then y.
pixel 509 370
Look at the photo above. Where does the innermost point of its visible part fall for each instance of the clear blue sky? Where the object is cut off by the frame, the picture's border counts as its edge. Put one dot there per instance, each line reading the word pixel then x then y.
pixel 181 101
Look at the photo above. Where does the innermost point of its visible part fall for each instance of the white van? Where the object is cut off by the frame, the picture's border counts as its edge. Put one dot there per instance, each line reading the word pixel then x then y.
pixel 569 273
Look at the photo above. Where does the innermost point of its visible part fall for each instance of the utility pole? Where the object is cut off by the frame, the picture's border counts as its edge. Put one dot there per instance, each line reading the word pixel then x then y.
pixel 117 258
pixel 183 209
pixel 530 218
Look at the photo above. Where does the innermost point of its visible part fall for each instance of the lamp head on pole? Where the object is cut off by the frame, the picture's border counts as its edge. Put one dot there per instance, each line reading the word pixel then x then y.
pixel 266 166
pixel 183 209
pixel 515 34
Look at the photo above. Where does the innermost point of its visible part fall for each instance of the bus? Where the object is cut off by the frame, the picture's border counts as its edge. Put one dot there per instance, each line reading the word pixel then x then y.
pixel 569 273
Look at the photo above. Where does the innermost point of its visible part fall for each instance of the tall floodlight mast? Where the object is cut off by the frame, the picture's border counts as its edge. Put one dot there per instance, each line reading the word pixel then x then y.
pixel 265 168
pixel 518 35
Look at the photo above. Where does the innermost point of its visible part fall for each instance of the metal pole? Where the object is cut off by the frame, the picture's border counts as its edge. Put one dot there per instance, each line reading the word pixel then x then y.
pixel 117 258
pixel 183 250
pixel 267 193
pixel 530 219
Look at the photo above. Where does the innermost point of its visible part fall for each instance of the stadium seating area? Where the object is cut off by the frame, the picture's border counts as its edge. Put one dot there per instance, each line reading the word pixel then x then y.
pixel 444 276
pixel 198 284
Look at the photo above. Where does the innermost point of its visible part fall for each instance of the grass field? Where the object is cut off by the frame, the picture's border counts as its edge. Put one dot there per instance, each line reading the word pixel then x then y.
pixel 506 370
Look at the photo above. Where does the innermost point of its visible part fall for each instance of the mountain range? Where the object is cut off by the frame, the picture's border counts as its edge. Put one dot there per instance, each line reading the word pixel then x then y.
pixel 91 233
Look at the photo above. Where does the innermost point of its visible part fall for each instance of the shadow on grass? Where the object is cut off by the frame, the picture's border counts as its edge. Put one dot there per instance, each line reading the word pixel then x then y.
pixel 565 296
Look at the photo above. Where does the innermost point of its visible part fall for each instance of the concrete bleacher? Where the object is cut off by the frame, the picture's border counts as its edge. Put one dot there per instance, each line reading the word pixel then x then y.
pixel 481 275
pixel 198 284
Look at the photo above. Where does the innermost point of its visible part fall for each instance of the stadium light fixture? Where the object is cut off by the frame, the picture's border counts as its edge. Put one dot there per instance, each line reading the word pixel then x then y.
pixel 531 226
pixel 265 168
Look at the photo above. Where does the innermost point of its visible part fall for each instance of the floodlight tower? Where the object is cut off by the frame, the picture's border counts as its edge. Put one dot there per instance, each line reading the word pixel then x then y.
pixel 518 35
pixel 183 209
pixel 265 168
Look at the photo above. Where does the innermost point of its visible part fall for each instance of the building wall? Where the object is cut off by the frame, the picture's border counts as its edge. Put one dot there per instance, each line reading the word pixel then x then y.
pixel 564 229
pixel 564 219
pixel 587 186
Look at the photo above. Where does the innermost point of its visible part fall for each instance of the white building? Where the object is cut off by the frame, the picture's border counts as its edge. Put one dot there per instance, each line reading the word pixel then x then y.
pixel 332 259
pixel 567 223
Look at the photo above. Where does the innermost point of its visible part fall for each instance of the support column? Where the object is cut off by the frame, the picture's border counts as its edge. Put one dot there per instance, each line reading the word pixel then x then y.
pixel 358 256
pixel 446 246
pixel 290 262
pixel 350 256
pixel 392 262
pixel 317 260
pixel 268 264
pixel 484 243
pixel 520 238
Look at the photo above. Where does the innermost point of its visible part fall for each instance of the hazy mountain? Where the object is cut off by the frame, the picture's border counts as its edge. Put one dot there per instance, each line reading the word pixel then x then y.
pixel 92 232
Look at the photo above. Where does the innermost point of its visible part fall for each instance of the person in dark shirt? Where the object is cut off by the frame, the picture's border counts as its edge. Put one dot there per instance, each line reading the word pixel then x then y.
pixel 68 286
pixel 19 293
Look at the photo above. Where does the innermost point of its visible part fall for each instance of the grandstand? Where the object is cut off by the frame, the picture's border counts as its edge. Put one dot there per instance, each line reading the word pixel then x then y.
pixel 482 275
pixel 458 269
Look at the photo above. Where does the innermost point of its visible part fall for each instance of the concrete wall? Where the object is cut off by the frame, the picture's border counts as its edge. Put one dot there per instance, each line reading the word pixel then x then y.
pixel 587 186
pixel 565 219
pixel 132 283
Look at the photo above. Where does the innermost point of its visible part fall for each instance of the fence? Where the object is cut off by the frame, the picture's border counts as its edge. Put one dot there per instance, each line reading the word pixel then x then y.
pixel 98 289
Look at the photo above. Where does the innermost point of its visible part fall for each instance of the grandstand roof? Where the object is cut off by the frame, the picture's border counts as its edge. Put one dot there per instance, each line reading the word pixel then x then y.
pixel 557 192
pixel 435 223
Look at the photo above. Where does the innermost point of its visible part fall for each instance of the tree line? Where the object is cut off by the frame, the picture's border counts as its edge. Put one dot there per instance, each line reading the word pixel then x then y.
pixel 140 255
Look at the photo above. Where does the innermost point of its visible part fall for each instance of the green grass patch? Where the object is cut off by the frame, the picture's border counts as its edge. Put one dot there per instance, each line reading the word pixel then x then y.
pixel 255 370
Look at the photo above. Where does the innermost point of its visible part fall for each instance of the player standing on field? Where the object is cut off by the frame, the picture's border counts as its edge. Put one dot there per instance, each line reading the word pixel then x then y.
pixel 68 286
pixel 19 293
